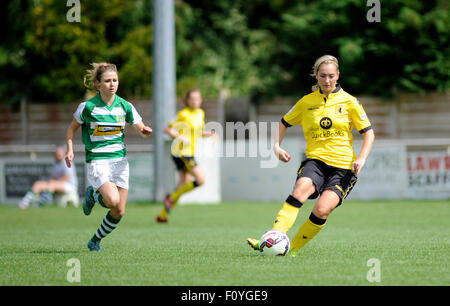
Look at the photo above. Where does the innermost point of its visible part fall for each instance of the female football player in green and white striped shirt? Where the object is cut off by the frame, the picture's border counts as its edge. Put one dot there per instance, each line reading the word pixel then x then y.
pixel 102 120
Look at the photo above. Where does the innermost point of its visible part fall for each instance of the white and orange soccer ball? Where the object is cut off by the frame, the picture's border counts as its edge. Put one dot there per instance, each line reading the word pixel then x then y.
pixel 274 243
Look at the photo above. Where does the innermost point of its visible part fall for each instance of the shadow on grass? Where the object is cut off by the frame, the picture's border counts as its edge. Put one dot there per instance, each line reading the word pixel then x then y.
pixel 46 251
pixel 52 251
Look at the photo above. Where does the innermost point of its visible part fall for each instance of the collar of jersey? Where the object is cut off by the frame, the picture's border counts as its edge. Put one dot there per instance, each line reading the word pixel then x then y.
pixel 192 110
pixel 102 103
pixel 333 94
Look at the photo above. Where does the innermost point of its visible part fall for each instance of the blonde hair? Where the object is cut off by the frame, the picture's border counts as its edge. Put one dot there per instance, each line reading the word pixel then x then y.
pixel 96 74
pixel 326 59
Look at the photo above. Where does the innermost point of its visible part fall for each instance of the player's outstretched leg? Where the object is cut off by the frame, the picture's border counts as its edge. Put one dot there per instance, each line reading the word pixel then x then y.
pixel 254 243
pixel 162 216
pixel 108 224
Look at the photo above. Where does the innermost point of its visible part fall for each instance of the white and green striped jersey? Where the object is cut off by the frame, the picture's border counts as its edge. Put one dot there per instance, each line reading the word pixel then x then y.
pixel 102 126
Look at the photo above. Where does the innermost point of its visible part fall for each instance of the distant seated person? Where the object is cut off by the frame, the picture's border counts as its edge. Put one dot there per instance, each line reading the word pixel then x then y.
pixel 63 183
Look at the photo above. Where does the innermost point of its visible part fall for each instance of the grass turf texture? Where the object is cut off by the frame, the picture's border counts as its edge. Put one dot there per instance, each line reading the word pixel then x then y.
pixel 205 245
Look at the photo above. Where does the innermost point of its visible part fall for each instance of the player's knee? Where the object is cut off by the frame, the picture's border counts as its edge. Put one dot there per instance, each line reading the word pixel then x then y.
pixel 117 212
pixel 299 195
pixel 52 187
pixel 302 194
pixel 303 190
pixel 39 186
pixel 322 212
pixel 112 200
pixel 199 181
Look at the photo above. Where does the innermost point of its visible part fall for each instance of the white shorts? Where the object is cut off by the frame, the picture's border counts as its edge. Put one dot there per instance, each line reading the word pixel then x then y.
pixel 108 170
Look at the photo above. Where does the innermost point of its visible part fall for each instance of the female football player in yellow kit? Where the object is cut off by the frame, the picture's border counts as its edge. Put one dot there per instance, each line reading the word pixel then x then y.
pixel 185 130
pixel 331 168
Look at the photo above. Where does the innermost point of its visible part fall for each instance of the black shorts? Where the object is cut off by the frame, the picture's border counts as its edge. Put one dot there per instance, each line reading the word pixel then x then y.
pixel 184 163
pixel 326 177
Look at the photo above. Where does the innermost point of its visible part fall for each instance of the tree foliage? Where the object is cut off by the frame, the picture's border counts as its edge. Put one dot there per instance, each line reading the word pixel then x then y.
pixel 254 48
pixel 269 47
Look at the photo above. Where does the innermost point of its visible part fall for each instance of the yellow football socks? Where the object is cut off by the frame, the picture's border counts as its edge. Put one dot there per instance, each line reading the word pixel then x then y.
pixel 186 187
pixel 175 196
pixel 307 232
pixel 163 213
pixel 287 215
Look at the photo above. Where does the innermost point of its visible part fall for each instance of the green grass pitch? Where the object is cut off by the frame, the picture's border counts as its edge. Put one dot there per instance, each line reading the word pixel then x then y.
pixel 205 245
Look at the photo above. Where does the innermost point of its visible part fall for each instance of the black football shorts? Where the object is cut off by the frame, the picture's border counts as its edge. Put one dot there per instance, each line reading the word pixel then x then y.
pixel 326 177
pixel 184 163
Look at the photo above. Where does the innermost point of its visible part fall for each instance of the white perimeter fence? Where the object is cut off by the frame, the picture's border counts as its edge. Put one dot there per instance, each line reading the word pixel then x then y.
pixel 248 171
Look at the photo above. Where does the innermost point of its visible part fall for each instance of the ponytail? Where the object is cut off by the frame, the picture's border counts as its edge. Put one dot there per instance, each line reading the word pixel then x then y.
pixel 96 74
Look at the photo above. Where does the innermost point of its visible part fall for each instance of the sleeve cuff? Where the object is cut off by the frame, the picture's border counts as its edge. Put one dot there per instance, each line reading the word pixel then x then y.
pixel 285 123
pixel 365 129
pixel 78 120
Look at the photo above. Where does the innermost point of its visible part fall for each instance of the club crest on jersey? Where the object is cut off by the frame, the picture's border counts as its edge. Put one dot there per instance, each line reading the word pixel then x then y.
pixel 340 110
pixel 325 123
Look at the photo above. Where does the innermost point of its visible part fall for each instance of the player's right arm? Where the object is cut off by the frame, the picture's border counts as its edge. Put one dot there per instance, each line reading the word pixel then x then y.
pixel 74 126
pixel 279 152
pixel 292 117
pixel 171 132
pixel 174 127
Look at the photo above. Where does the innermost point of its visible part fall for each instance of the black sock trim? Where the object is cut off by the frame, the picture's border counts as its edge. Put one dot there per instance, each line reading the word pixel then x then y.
pixel 316 220
pixel 293 201
pixel 95 238
pixel 111 219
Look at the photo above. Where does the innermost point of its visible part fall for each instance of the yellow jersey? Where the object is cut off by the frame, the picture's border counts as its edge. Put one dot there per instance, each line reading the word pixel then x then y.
pixel 189 123
pixel 327 124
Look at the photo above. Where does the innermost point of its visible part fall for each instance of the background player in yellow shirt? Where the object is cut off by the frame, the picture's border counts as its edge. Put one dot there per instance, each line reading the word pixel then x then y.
pixel 331 167
pixel 185 131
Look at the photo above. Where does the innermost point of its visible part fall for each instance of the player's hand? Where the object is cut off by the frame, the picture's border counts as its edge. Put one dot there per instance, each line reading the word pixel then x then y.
pixel 282 154
pixel 209 134
pixel 69 158
pixel 213 136
pixel 146 131
pixel 357 165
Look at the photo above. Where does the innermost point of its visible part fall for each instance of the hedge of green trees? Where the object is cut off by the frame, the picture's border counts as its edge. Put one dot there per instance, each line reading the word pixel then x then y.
pixel 256 48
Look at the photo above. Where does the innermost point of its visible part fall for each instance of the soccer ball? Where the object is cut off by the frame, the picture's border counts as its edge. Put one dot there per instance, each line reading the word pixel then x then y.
pixel 274 243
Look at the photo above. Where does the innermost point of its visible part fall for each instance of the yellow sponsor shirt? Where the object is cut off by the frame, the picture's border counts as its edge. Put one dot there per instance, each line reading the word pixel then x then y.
pixel 189 123
pixel 327 124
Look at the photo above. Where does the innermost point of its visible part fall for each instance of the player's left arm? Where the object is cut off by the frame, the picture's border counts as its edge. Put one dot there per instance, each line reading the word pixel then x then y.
pixel 205 133
pixel 358 164
pixel 362 123
pixel 144 130
pixel 208 134
pixel 135 120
